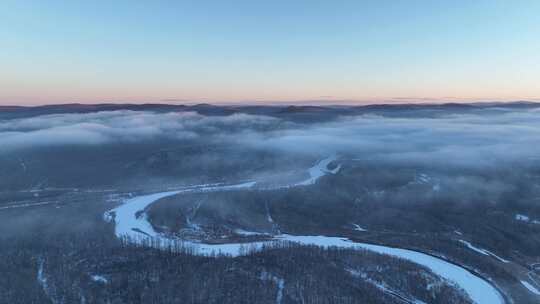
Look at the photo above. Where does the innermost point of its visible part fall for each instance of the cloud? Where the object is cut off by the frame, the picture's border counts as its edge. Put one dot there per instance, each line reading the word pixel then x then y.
pixel 475 139
pixel 119 127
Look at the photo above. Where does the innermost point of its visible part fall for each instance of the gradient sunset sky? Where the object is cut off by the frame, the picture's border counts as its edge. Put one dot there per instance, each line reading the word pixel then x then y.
pixel 268 51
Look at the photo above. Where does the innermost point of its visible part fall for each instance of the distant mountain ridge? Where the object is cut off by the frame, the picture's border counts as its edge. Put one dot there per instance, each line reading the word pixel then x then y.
pixel 298 111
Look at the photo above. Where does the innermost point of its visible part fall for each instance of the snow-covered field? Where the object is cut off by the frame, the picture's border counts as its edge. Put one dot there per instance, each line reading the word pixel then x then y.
pixel 130 221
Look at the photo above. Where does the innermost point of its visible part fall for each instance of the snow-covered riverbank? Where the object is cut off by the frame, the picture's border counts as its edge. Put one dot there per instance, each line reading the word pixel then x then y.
pixel 130 217
pixel 130 221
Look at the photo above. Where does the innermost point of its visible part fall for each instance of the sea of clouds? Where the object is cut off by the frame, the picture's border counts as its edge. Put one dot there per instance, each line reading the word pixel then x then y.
pixel 471 139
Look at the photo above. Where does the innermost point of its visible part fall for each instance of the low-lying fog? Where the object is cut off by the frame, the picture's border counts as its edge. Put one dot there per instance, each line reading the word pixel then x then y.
pixel 472 139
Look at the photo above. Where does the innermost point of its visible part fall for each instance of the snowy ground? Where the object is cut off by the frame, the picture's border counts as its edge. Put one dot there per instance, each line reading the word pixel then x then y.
pixel 128 224
pixel 13 206
pixel 483 251
pixel 384 288
pixel 130 221
pixel 478 289
pixel 525 218
pixel 359 228
pixel 130 218
pixel 99 278
pixel 319 170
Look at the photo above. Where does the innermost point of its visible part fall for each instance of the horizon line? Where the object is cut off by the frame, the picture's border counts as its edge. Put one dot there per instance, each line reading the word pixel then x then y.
pixel 319 103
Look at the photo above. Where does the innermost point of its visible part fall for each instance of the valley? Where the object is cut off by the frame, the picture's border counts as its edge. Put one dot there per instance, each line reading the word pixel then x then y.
pixel 291 212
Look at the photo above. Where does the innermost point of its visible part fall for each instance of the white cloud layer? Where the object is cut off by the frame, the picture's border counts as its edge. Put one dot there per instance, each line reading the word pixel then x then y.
pixel 117 127
pixel 473 139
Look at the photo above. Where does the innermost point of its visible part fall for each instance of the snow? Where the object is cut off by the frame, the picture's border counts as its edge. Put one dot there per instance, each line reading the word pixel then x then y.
pixel 41 276
pixel 129 224
pixel 248 233
pixel 525 218
pixel 470 246
pixel 279 296
pixel 126 219
pixel 424 178
pixel 531 288
pixel 23 165
pixel 192 226
pixel 477 288
pixel 483 251
pixel 269 217
pixel 384 288
pixel 358 228
pixel 25 205
pixel 521 217
pixel 99 278
pixel 280 284
pixel 42 280
pixel 130 221
pixel 319 170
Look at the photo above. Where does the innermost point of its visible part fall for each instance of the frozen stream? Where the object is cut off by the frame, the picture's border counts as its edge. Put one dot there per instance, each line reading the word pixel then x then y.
pixel 130 221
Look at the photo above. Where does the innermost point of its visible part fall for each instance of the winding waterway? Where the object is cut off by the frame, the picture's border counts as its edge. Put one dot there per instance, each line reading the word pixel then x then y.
pixel 131 221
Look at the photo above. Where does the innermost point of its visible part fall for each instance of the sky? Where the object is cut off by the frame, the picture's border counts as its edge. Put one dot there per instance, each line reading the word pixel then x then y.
pixel 349 51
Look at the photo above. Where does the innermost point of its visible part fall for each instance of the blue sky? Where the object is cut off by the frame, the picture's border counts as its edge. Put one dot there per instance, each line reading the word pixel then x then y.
pixel 268 51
